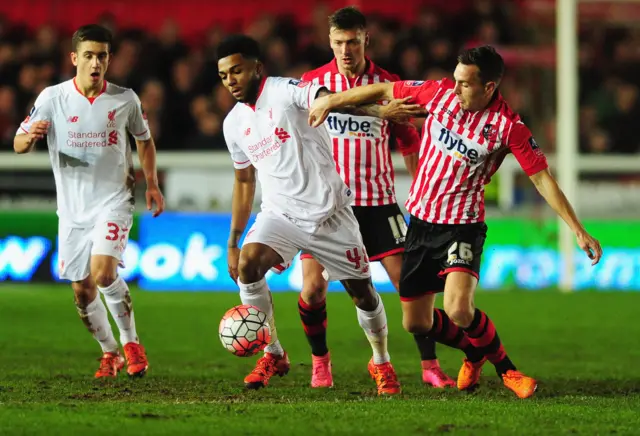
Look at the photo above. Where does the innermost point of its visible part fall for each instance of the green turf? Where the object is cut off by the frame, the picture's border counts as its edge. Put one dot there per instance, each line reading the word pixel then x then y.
pixel 583 348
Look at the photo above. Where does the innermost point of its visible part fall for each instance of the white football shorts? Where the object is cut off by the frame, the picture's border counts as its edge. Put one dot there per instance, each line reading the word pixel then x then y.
pixel 108 237
pixel 336 243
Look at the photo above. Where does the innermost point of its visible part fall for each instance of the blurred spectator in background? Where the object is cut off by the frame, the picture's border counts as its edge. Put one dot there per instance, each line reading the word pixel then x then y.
pixel 179 88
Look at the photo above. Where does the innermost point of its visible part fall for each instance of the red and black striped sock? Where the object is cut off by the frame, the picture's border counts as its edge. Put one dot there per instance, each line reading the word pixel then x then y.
pixel 314 321
pixel 446 332
pixel 483 335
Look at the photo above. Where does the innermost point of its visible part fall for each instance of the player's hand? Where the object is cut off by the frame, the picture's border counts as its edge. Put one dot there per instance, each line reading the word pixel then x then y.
pixel 38 130
pixel 154 195
pixel 590 245
pixel 233 259
pixel 400 111
pixel 319 110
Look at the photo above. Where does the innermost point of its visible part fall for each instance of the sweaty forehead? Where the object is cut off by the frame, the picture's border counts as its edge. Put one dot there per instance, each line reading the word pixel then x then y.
pixel 466 73
pixel 93 46
pixel 346 35
pixel 226 63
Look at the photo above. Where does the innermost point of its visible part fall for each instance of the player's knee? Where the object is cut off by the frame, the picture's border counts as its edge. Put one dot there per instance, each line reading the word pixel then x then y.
pixel 314 290
pixel 249 270
pixel 461 315
pixel 417 325
pixel 105 278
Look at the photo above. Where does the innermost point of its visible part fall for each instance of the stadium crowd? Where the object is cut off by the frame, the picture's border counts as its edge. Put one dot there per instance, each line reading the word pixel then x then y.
pixel 178 84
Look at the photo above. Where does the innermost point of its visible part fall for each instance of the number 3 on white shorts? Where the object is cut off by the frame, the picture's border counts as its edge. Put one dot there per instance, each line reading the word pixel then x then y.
pixel 464 251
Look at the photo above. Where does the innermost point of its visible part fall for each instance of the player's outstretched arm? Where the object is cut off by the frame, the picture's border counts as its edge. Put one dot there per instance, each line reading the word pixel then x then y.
pixel 547 186
pixel 24 143
pixel 360 95
pixel 147 155
pixel 244 189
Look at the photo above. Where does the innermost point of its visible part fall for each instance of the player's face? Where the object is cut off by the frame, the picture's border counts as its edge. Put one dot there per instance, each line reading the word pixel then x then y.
pixel 348 47
pixel 240 76
pixel 472 94
pixel 92 60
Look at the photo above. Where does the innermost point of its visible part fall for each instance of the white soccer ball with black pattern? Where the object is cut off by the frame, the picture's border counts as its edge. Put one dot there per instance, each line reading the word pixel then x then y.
pixel 244 330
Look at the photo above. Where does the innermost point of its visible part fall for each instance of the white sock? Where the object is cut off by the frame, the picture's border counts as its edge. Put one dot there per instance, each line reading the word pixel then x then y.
pixel 257 294
pixel 95 317
pixel 374 324
pixel 119 303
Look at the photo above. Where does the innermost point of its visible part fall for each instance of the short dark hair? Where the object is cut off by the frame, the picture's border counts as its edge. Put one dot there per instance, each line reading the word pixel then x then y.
pixel 489 62
pixel 91 32
pixel 347 19
pixel 239 44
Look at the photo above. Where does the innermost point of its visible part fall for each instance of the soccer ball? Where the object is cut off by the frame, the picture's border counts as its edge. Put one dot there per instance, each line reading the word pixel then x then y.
pixel 244 330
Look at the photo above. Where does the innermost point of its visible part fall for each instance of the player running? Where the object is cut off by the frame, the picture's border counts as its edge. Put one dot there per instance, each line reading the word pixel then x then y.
pixel 305 204
pixel 469 131
pixel 85 121
pixel 362 157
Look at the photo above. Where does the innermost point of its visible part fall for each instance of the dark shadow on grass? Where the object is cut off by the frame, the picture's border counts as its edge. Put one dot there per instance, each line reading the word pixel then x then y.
pixel 604 388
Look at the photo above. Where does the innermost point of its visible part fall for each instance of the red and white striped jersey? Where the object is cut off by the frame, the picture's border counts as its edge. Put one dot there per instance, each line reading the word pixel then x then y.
pixel 460 151
pixel 360 143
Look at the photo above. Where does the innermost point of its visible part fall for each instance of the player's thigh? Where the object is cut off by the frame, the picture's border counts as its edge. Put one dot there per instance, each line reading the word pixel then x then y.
pixel 74 253
pixel 314 283
pixel 270 241
pixel 419 273
pixel 393 265
pixel 383 230
pixel 337 245
pixel 110 237
pixel 460 264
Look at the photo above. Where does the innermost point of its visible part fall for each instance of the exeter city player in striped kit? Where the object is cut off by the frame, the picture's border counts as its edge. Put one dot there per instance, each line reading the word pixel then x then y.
pixel 86 121
pixel 469 131
pixel 361 150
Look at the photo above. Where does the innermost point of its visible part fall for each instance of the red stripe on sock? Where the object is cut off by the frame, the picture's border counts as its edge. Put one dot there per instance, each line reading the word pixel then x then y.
pixel 480 330
pixel 312 330
pixel 498 356
pixel 487 337
pixel 310 307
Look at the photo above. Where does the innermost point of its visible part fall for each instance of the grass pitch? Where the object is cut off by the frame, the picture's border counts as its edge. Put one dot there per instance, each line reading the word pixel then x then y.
pixel 583 348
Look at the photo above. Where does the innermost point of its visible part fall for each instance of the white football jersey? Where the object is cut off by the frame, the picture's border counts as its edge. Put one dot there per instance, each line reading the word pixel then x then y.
pixel 89 149
pixel 293 160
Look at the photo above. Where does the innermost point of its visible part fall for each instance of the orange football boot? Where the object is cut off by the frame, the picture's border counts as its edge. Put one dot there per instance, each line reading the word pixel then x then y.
pixel 137 363
pixel 469 374
pixel 523 386
pixel 266 367
pixel 385 377
pixel 110 364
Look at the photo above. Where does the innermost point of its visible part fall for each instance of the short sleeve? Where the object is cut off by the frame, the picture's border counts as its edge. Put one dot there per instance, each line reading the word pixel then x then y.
pixel 42 110
pixel 239 158
pixel 299 92
pixel 422 92
pixel 137 124
pixel 525 149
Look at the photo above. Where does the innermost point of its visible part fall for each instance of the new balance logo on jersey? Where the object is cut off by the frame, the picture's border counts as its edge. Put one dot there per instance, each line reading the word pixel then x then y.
pixel 459 148
pixel 72 120
pixel 282 134
pixel 353 126
pixel 111 115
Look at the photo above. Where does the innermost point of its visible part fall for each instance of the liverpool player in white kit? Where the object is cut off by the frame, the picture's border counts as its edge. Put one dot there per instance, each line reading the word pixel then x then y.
pixel 305 204
pixel 469 131
pixel 85 121
pixel 361 150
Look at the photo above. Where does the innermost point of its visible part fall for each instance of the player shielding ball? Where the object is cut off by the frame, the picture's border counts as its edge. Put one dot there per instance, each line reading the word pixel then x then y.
pixel 85 121
pixel 469 131
pixel 362 153
pixel 305 204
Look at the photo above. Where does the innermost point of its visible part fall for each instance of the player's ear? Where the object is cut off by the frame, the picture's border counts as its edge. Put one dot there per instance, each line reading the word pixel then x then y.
pixel 489 87
pixel 366 39
pixel 259 69
pixel 74 58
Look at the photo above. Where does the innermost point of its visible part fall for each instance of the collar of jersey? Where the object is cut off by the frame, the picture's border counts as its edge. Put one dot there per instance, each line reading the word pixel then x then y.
pixel 262 82
pixel 91 99
pixel 369 69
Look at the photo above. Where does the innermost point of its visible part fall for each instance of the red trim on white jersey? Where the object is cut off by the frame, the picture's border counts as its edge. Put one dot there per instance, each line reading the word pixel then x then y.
pixel 91 99
pixel 364 162
pixel 262 82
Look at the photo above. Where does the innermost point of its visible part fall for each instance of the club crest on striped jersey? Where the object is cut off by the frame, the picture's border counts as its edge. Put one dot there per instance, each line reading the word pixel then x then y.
pixel 490 132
